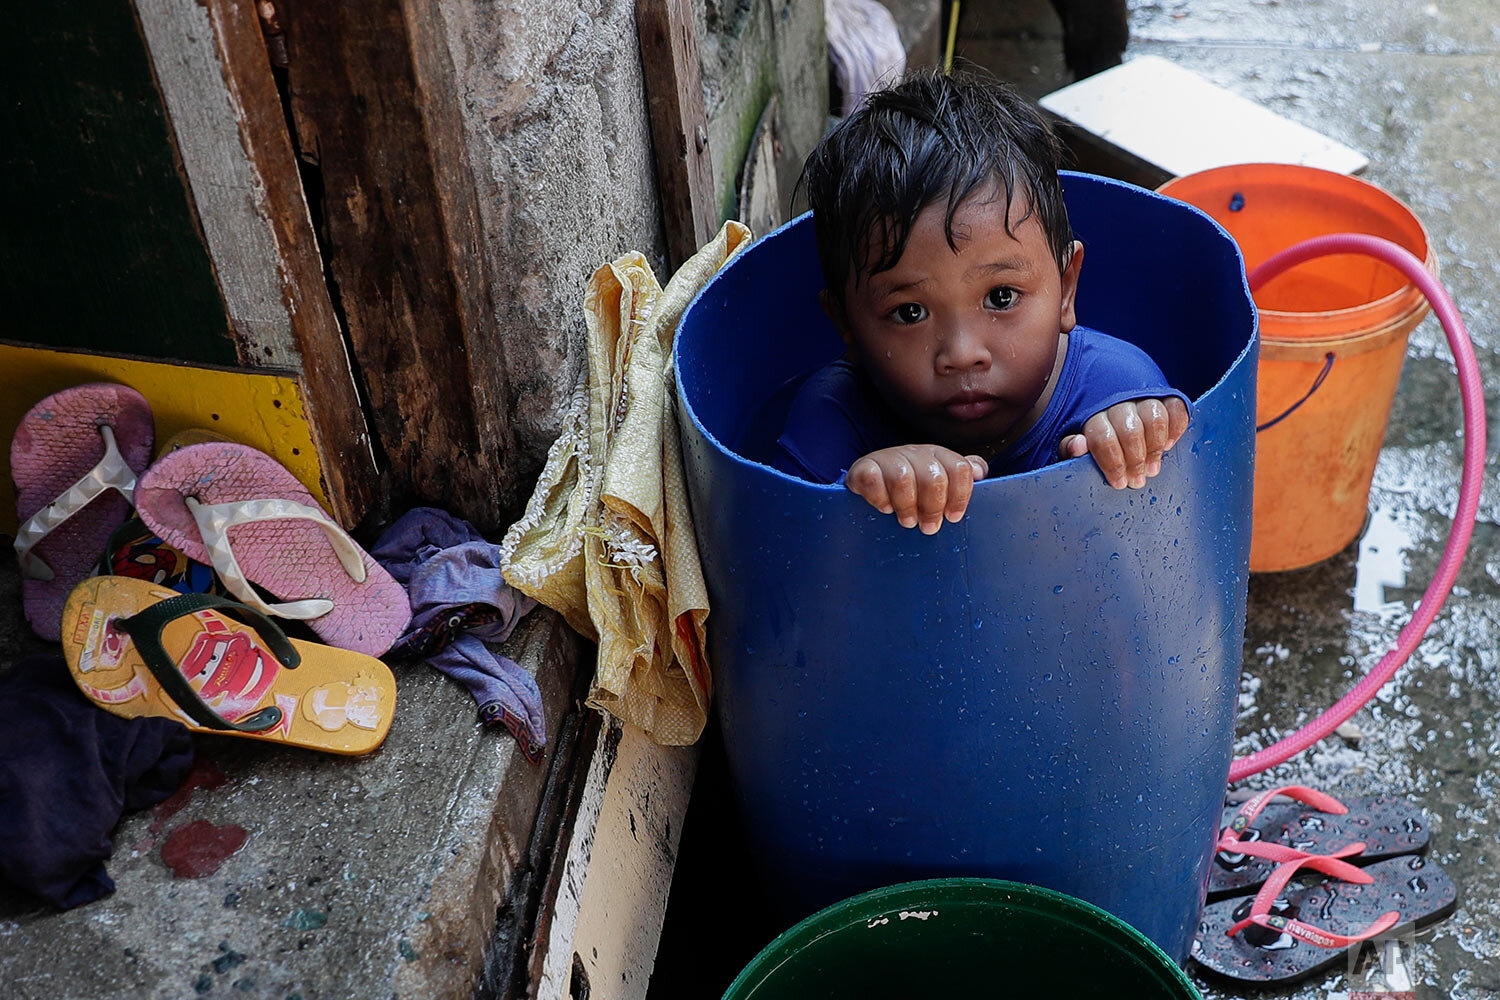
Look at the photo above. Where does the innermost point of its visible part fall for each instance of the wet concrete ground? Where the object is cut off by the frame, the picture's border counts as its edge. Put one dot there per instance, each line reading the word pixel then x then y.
pixel 1416 87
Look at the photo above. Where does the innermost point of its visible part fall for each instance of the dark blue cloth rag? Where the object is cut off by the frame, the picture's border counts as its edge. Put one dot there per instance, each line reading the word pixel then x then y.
pixel 459 602
pixel 68 771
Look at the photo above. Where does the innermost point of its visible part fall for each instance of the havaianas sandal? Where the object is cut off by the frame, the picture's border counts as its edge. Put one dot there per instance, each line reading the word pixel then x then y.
pixel 74 458
pixel 1283 824
pixel 1288 931
pixel 137 649
pixel 241 512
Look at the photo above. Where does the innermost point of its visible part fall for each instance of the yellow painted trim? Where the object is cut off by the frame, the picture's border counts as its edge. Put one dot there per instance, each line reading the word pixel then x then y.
pixel 264 411
pixel 948 50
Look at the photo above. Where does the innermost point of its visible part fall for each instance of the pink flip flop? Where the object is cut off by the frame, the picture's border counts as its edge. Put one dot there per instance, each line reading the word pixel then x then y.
pixel 241 512
pixel 74 458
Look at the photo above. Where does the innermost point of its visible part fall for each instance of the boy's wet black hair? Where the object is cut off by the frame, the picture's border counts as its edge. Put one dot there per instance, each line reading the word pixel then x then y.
pixel 932 136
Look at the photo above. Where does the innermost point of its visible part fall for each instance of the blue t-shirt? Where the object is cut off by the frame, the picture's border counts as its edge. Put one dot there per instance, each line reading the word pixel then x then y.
pixel 837 416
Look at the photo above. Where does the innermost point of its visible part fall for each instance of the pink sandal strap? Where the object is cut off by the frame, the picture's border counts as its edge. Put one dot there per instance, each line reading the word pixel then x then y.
pixel 1229 839
pixel 1261 915
pixel 111 473
pixel 1281 854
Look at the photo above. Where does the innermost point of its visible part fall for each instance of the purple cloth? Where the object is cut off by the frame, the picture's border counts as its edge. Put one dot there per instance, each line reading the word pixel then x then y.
pixel 417 536
pixel 68 771
pixel 468 573
pixel 459 602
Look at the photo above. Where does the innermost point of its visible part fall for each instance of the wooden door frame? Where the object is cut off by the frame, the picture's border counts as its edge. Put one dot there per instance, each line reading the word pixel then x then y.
pixel 214 74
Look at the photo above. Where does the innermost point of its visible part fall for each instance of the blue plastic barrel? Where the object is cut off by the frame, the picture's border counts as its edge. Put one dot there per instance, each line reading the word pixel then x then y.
pixel 1044 692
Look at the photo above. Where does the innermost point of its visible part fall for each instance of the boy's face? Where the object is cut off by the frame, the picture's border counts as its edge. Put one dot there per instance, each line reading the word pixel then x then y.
pixel 964 346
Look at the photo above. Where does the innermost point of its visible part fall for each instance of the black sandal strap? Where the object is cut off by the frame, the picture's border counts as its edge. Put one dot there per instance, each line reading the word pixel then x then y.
pixel 145 630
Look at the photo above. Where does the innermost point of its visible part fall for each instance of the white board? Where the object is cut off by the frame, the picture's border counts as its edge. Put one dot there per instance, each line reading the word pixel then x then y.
pixel 1173 119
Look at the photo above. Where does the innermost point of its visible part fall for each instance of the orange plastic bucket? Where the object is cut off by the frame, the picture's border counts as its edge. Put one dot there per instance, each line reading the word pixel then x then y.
pixel 1333 337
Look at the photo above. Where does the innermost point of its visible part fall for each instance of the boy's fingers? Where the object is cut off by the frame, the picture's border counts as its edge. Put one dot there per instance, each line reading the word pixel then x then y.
pixel 1154 423
pixel 866 480
pixel 901 487
pixel 932 494
pixel 1127 423
pixel 1104 445
pixel 1177 420
pixel 960 487
pixel 1073 446
pixel 920 484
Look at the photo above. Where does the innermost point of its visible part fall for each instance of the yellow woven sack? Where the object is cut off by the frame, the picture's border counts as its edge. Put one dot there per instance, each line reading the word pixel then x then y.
pixel 607 539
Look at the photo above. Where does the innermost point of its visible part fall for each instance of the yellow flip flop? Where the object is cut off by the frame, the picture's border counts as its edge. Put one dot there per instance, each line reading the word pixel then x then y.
pixel 137 649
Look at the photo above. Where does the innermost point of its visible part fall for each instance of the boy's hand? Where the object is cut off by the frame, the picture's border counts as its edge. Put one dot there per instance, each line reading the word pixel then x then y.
pixel 919 483
pixel 1128 439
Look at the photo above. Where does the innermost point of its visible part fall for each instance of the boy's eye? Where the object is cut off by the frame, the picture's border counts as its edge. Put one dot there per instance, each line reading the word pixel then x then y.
pixel 1001 298
pixel 909 312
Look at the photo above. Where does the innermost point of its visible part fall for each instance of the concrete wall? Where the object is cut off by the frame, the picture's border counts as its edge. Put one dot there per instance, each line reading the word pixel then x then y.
pixel 752 49
pixel 561 154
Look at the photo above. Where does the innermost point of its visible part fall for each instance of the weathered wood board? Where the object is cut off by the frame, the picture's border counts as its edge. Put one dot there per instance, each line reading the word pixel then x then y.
pixel 1170 121
pixel 679 124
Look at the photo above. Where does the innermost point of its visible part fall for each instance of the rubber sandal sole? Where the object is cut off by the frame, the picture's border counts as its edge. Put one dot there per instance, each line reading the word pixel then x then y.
pixel 290 559
pixel 335 700
pixel 55 445
pixel 1415 887
pixel 190 436
pixel 1388 825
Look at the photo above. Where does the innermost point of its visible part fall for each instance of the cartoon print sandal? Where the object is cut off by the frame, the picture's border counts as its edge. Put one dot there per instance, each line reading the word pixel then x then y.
pixel 75 457
pixel 1283 824
pixel 137 649
pixel 1288 931
pixel 135 552
pixel 241 512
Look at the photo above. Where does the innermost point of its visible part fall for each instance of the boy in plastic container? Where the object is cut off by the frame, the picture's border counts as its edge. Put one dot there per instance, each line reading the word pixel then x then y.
pixel 951 271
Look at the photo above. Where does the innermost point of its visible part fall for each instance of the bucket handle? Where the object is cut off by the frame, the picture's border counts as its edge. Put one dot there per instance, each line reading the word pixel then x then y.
pixel 1327 367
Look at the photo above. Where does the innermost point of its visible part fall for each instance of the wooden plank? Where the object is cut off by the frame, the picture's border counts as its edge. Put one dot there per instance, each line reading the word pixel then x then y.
pixel 608 911
pixel 215 78
pixel 760 203
pixel 1168 121
pixel 375 102
pixel 679 124
pixel 233 207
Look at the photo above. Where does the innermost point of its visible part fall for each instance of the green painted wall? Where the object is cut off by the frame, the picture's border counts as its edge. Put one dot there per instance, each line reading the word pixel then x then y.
pixel 98 245
pixel 751 51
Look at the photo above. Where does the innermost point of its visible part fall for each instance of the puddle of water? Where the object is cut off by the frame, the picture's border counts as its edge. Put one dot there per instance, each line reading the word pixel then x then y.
pixel 1382 564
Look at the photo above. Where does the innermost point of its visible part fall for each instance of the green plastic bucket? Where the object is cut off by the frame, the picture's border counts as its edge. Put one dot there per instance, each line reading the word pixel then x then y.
pixel 960 937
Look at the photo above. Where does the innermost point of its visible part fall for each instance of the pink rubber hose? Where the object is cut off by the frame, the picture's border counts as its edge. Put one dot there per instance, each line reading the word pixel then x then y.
pixel 1468 490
